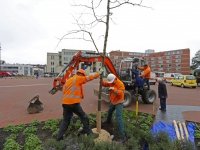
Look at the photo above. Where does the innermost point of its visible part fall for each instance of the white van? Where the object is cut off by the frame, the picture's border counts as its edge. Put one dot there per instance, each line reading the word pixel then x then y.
pixel 152 79
pixel 169 76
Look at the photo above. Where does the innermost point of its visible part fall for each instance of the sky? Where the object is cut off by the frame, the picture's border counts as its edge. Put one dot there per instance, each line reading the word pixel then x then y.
pixel 31 28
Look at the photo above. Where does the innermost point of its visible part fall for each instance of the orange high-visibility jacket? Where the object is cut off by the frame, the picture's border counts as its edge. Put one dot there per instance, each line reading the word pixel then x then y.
pixel 116 95
pixel 73 91
pixel 146 73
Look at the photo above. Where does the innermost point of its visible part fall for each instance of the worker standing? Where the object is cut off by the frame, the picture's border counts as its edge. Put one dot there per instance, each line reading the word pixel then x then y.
pixel 146 74
pixel 116 89
pixel 73 93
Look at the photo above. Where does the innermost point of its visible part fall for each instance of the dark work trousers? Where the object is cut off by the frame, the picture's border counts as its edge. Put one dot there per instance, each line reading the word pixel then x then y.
pixel 119 118
pixel 163 103
pixel 68 111
pixel 146 80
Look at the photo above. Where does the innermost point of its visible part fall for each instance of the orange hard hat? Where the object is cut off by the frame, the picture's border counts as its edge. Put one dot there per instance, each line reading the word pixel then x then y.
pixel 81 71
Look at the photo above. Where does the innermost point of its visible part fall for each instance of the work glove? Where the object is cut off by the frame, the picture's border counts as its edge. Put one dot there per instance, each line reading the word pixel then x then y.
pixel 101 71
pixel 111 88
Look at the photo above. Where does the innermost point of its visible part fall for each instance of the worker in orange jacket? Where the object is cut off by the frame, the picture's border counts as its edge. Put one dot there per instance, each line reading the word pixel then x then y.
pixel 73 93
pixel 116 89
pixel 146 74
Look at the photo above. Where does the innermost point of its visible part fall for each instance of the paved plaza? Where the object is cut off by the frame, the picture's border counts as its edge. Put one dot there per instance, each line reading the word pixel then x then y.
pixel 15 94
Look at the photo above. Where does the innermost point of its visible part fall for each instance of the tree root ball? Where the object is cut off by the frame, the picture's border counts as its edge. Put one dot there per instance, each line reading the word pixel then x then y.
pixel 103 136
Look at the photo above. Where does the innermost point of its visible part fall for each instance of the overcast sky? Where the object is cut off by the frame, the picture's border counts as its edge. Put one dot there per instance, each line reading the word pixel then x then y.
pixel 31 28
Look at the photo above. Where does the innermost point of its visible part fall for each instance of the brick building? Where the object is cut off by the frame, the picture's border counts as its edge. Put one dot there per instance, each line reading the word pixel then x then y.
pixel 173 61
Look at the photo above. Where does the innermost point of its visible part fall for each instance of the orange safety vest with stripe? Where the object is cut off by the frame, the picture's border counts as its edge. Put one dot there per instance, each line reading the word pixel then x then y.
pixel 116 95
pixel 73 91
pixel 147 72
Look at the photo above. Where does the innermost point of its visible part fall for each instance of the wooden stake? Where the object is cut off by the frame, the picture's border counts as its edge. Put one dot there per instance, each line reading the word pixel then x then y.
pixel 99 121
pixel 186 131
pixel 181 129
pixel 176 130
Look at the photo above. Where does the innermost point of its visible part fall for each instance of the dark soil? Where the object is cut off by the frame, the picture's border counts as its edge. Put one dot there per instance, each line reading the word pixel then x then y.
pixel 43 135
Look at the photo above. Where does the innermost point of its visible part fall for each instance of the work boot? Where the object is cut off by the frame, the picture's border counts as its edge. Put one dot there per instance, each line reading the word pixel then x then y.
pixel 93 135
pixel 59 139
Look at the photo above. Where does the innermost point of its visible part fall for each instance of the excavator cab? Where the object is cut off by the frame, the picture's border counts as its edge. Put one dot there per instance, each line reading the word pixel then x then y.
pixel 126 66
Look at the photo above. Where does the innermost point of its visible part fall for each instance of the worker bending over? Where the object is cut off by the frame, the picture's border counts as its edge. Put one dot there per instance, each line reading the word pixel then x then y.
pixel 73 93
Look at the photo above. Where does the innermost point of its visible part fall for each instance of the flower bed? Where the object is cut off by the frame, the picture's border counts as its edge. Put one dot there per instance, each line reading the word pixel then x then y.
pixel 41 135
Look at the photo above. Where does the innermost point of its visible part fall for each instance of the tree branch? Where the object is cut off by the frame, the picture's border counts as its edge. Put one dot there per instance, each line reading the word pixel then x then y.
pixel 127 2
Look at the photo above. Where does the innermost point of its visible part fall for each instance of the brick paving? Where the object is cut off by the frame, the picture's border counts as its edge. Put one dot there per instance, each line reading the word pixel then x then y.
pixel 16 93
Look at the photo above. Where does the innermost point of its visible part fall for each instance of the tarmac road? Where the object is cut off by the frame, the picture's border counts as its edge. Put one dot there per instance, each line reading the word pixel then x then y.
pixel 15 95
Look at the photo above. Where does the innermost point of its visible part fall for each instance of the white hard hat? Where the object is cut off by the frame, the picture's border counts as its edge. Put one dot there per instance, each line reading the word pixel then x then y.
pixel 111 77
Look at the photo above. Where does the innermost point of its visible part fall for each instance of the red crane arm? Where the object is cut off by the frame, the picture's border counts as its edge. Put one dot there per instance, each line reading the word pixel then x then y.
pixel 74 63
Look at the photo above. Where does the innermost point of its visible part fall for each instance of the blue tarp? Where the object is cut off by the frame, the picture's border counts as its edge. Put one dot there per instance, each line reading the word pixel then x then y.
pixel 169 128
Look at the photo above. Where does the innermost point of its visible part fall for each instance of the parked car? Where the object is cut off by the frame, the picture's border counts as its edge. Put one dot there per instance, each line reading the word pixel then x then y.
pixel 184 81
pixel 169 76
pixel 46 75
pixel 159 74
pixel 5 74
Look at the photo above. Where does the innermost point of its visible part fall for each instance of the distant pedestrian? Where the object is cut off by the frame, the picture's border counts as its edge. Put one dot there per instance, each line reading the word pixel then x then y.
pixel 162 94
pixel 36 76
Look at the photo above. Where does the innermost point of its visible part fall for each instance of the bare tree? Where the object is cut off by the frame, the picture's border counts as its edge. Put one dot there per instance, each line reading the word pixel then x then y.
pixel 84 28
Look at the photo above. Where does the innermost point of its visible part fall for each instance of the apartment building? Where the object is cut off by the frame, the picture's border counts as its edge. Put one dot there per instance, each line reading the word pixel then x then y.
pixel 173 61
pixel 57 61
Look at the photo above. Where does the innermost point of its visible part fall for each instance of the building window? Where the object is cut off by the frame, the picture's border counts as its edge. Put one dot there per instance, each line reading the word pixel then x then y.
pixel 66 58
pixel 153 58
pixel 168 61
pixel 115 57
pixel 179 52
pixel 153 66
pixel 160 61
pixel 52 63
pixel 178 69
pixel 169 69
pixel 167 53
pixel 177 60
pixel 160 65
pixel 169 65
pixel 178 56
pixel 160 69
pixel 52 69
pixel 168 57
pixel 153 62
pixel 116 61
pixel 52 56
pixel 178 65
pixel 159 58
pixel 131 53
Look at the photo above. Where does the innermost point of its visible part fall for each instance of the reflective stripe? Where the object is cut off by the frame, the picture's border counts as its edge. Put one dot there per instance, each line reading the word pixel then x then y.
pixel 118 102
pixel 113 93
pixel 71 96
